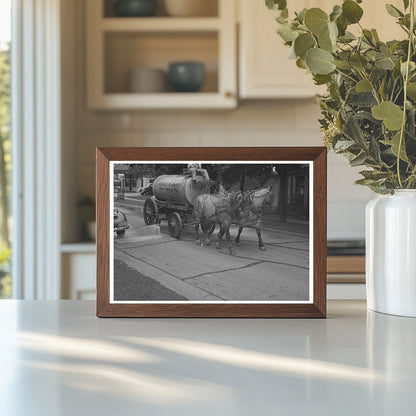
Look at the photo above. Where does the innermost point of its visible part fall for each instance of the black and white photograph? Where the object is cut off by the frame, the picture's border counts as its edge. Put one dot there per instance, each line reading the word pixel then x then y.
pixel 211 232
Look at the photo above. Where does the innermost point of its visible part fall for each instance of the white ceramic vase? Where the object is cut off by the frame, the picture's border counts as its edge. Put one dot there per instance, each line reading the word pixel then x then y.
pixel 391 253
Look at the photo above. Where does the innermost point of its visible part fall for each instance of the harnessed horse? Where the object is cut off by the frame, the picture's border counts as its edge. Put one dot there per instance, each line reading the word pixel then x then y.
pixel 251 212
pixel 217 208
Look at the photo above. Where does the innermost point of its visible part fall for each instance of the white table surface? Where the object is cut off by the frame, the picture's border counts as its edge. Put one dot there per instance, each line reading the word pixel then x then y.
pixel 57 358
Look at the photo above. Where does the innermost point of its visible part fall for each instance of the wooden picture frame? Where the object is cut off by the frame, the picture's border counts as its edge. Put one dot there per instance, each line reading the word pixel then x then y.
pixel 312 161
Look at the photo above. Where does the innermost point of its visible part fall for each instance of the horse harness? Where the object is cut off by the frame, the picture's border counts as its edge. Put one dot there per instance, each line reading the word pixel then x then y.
pixel 222 208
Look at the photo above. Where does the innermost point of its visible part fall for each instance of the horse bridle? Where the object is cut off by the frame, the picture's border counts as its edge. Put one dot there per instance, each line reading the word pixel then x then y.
pixel 252 196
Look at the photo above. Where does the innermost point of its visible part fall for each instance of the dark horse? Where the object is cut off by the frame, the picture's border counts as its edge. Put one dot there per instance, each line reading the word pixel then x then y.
pixel 250 214
pixel 218 208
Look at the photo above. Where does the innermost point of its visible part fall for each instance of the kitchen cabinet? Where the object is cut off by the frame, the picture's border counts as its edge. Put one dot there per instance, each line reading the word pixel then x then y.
pixel 78 263
pixel 118 45
pixel 265 70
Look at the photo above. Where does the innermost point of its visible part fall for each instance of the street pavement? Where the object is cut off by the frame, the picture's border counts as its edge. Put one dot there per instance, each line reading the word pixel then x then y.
pixel 182 269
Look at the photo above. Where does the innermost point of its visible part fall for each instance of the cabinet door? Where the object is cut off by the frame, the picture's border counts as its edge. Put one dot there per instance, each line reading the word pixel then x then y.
pixel 78 276
pixel 265 68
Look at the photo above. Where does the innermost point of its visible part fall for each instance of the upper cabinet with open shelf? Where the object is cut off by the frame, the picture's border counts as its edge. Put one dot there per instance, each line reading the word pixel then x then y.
pixel 118 47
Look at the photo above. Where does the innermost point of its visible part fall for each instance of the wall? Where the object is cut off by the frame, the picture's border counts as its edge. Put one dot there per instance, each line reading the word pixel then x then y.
pixel 254 123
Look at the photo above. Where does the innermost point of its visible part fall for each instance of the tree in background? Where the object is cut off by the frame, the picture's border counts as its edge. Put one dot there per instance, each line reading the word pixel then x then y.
pixel 5 164
pixel 4 144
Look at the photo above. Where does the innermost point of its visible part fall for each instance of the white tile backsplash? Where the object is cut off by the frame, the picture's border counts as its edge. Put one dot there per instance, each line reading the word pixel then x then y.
pixel 346 219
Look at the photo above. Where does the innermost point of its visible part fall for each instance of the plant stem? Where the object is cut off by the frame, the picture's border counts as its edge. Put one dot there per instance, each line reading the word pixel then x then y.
pixel 373 88
pixel 346 75
pixel 406 80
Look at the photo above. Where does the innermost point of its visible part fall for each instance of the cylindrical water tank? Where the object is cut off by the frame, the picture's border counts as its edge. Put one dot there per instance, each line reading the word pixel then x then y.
pixel 178 188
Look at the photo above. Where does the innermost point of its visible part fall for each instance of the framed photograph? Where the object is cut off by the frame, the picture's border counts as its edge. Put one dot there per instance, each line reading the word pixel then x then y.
pixel 211 232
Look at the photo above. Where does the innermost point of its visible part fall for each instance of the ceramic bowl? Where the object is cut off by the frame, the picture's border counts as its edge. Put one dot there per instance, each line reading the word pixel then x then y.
pixel 147 80
pixel 186 76
pixel 191 8
pixel 135 8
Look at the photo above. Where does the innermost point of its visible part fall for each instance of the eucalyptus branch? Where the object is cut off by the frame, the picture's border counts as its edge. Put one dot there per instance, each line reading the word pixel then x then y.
pixel 346 75
pixel 392 91
pixel 373 88
pixel 406 79
pixel 398 95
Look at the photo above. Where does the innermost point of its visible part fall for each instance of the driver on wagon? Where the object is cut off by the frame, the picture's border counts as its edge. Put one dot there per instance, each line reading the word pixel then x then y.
pixel 195 169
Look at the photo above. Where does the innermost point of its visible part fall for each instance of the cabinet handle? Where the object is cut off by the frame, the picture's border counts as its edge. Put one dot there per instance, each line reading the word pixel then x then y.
pixel 229 94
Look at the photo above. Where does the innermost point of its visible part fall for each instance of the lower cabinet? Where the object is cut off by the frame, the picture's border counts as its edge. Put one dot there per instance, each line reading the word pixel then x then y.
pixel 78 276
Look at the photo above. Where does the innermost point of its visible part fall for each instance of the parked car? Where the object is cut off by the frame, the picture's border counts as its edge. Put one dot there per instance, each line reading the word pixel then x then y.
pixel 120 222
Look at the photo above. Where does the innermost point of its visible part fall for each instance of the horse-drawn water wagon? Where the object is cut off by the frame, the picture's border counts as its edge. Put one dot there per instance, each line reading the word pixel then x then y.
pixel 173 200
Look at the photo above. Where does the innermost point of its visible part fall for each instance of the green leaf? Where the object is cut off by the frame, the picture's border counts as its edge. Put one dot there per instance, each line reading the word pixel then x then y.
pixel 394 144
pixel 316 20
pixel 374 174
pixel 336 12
pixel 358 160
pixel 301 15
pixel 363 86
pixel 344 65
pixel 411 90
pixel 319 61
pixel 287 33
pixel 375 35
pixel 301 63
pixel 374 150
pixel 282 20
pixel 368 36
pixel 384 62
pixel 393 11
pixel 342 25
pixel 353 131
pixel 377 75
pixel 388 112
pixel 382 89
pixel 365 182
pixel 321 79
pixel 351 11
pixel 406 4
pixel 333 32
pixel 347 37
pixel 343 145
pixel 276 4
pixel 362 99
pixel 325 42
pixel 358 61
pixel 303 43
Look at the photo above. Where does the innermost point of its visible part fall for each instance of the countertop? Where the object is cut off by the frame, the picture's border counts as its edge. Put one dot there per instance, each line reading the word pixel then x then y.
pixel 57 358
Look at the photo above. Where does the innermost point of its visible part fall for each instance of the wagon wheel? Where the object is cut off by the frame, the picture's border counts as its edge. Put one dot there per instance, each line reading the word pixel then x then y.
pixel 150 212
pixel 175 224
pixel 208 227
